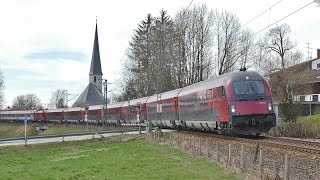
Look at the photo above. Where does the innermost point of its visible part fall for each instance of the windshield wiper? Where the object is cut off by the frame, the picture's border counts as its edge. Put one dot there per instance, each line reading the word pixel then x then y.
pixel 259 97
pixel 243 98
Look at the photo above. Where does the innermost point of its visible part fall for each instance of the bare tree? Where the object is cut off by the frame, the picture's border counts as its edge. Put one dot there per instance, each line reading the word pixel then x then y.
pixel 279 41
pixel 232 44
pixel 286 80
pixel 192 51
pixel 59 98
pixel 286 84
pixel 26 102
pixel 1 90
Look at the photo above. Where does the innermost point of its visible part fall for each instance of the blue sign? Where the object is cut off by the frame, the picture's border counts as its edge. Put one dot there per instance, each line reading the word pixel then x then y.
pixel 25 119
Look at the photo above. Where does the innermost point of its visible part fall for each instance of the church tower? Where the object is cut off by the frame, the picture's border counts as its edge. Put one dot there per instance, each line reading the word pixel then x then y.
pixel 92 94
pixel 95 73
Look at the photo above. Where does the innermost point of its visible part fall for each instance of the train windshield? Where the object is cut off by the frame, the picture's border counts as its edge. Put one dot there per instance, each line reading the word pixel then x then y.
pixel 249 90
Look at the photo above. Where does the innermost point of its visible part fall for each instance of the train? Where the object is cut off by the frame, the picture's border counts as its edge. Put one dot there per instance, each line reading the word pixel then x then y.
pixel 239 102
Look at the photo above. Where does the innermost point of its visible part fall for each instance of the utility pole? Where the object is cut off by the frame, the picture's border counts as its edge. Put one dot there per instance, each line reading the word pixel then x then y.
pixel 159 74
pixel 308 51
pixel 105 83
pixel 310 83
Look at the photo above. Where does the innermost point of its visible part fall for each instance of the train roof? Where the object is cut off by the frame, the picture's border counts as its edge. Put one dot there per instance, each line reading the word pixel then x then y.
pixel 220 80
pixel 95 107
pixel 18 112
pixel 54 110
pixel 165 95
pixel 73 109
pixel 139 101
pixel 115 105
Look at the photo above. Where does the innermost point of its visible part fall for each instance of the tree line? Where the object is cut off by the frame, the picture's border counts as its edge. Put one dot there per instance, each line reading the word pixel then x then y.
pixel 195 44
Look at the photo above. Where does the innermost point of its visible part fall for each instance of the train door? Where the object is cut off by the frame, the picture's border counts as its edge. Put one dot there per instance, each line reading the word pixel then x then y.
pixel 143 115
pixel 210 100
pixel 120 114
pixel 176 110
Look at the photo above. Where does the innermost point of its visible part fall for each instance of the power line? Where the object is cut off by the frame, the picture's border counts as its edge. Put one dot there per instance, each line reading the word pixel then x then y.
pixel 269 9
pixel 283 18
pixel 189 4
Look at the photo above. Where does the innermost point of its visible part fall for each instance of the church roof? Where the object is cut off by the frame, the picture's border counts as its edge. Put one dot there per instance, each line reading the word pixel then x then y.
pixel 91 95
pixel 95 67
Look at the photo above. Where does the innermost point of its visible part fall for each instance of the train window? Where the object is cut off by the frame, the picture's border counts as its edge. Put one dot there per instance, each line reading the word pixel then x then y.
pixel 209 93
pixel 249 90
pixel 222 91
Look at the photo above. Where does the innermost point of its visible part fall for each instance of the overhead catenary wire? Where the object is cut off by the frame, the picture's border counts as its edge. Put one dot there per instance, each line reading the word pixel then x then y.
pixel 283 18
pixel 261 14
pixel 299 9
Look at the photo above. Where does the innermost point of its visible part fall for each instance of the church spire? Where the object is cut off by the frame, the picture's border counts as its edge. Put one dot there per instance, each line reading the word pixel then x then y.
pixel 95 73
pixel 95 68
pixel 92 94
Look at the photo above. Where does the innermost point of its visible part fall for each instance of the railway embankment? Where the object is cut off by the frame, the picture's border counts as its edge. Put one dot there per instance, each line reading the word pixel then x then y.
pixel 263 158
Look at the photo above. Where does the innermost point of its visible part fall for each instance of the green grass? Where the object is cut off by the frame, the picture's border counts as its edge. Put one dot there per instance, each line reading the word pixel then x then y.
pixel 311 118
pixel 16 130
pixel 305 127
pixel 93 159
pixel 65 129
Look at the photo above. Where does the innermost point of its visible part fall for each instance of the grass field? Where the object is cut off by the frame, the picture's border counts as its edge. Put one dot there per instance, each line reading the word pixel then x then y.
pixel 312 118
pixel 94 159
pixel 16 130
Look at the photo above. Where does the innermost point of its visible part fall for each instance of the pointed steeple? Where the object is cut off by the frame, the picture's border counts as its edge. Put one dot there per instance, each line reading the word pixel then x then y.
pixel 92 94
pixel 95 68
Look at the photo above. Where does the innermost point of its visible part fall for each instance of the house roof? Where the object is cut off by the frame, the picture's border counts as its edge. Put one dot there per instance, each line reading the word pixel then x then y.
pixel 312 73
pixel 308 68
pixel 91 95
pixel 95 67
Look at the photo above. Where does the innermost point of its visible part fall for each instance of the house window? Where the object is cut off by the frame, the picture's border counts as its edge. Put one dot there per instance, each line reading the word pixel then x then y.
pixel 95 79
pixel 318 66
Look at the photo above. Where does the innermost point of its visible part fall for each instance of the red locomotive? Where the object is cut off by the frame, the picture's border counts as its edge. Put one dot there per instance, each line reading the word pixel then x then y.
pixel 238 102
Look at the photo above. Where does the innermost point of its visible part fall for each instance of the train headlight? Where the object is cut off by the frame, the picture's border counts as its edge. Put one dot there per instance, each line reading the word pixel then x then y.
pixel 233 108
pixel 269 106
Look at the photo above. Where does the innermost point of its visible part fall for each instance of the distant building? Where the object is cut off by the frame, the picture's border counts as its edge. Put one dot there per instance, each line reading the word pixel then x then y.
pixel 92 94
pixel 308 100
pixel 311 69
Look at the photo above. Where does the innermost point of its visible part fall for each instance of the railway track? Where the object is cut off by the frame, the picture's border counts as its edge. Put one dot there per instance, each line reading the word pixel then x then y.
pixel 292 144
pixel 297 145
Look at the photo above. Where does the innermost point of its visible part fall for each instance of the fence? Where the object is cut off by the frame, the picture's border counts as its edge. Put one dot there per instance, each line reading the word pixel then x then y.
pixel 249 161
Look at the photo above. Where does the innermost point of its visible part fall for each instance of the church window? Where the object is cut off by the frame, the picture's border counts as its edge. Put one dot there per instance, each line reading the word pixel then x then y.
pixel 95 79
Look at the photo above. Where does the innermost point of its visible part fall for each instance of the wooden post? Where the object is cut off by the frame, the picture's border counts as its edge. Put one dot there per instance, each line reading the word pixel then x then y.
pixel 286 168
pixel 229 156
pixel 199 146
pixel 164 137
pixel 178 140
pixel 218 149
pixel 260 163
pixel 242 157
pixel 193 142
pixel 207 145
pixel 274 169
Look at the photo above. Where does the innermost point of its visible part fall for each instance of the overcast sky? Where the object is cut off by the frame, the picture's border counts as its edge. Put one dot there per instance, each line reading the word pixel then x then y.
pixel 47 44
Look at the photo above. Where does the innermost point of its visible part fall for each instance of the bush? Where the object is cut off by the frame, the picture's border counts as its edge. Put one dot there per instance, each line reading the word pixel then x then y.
pixel 297 130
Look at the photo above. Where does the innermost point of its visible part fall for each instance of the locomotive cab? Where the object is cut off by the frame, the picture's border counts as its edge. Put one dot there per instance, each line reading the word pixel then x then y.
pixel 250 104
